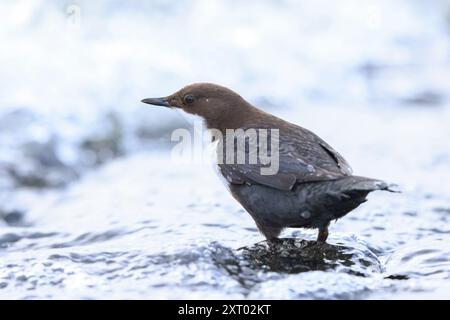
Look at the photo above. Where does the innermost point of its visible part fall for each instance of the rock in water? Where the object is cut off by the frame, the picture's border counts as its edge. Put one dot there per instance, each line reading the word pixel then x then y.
pixel 296 256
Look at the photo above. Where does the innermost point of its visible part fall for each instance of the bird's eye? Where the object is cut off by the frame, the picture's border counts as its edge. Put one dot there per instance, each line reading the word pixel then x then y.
pixel 188 99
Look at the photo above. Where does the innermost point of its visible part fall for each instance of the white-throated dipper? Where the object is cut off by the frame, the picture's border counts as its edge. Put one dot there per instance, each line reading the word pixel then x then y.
pixel 313 184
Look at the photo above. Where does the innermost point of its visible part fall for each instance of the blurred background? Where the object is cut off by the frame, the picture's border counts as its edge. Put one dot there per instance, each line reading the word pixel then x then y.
pixel 85 171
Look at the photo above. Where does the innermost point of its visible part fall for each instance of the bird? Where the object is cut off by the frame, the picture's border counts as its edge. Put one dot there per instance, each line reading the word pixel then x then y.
pixel 313 184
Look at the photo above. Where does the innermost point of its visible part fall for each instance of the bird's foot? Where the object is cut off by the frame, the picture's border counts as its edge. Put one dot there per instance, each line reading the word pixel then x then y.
pixel 323 234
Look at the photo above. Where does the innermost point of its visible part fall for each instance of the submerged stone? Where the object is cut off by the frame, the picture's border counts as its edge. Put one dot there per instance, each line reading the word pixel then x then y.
pixel 299 255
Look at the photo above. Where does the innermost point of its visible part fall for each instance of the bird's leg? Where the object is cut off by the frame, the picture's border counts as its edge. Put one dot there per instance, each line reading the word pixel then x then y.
pixel 323 234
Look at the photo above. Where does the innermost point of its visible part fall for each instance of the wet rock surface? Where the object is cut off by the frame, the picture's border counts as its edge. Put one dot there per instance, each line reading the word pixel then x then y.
pixel 296 255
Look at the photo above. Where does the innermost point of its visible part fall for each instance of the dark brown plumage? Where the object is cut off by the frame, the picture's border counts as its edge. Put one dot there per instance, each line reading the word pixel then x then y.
pixel 314 183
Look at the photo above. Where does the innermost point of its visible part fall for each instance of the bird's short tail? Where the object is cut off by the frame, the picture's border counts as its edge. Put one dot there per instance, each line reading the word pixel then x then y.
pixel 368 184
pixel 348 193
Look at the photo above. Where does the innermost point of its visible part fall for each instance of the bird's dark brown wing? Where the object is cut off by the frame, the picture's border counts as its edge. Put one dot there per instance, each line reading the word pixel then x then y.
pixel 303 157
pixel 315 151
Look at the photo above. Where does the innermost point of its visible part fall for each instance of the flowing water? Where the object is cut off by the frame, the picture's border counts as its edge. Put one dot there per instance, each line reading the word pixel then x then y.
pixel 143 227
pixel 91 205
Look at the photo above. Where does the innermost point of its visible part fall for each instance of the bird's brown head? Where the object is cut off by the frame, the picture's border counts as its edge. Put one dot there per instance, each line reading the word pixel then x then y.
pixel 217 105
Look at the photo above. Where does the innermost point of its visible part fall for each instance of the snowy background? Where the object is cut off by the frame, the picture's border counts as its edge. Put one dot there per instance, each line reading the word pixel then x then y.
pixel 84 166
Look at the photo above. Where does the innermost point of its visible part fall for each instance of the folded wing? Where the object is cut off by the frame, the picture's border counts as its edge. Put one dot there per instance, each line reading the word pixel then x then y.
pixel 303 157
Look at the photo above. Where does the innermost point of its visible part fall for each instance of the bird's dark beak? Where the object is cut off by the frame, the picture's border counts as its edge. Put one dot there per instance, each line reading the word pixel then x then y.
pixel 157 102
